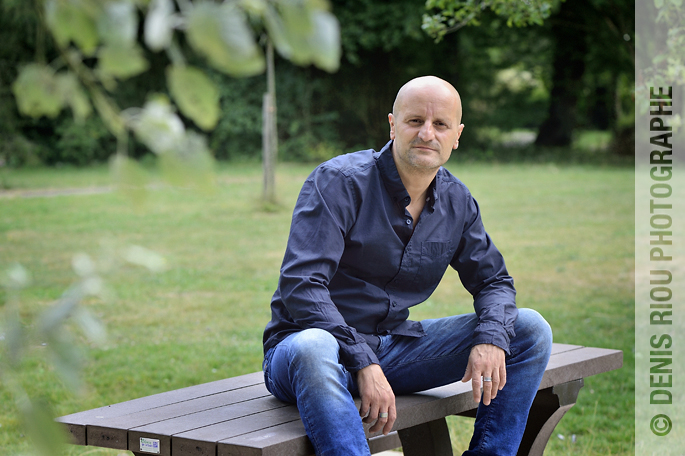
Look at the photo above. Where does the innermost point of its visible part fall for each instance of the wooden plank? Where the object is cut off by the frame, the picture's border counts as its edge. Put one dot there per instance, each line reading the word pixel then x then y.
pixel 286 439
pixel 76 422
pixel 163 430
pixel 203 441
pixel 179 409
pixel 581 363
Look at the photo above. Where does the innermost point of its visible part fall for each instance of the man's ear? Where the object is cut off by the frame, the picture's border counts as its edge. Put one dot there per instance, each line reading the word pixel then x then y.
pixel 456 143
pixel 391 121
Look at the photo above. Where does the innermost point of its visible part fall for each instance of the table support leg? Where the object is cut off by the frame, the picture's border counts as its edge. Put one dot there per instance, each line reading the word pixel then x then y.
pixel 428 439
pixel 548 408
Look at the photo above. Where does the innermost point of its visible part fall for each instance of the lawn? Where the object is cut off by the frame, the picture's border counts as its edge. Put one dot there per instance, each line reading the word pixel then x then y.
pixel 566 232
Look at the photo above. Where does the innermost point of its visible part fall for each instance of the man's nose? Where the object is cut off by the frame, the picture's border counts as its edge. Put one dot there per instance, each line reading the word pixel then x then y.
pixel 427 133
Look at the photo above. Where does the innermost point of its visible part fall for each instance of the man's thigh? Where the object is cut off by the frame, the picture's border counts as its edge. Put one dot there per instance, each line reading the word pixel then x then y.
pixel 440 357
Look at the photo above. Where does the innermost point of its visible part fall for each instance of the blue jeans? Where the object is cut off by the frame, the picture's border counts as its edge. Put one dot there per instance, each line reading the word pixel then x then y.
pixel 305 369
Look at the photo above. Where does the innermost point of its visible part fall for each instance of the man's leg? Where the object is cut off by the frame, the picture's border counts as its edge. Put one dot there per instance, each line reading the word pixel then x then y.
pixel 441 357
pixel 305 369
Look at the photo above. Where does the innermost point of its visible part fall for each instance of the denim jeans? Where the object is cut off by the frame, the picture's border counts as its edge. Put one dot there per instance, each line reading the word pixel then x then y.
pixel 305 369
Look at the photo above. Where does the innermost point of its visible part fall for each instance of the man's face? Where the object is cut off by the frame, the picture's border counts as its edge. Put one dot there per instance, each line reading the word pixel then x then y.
pixel 425 126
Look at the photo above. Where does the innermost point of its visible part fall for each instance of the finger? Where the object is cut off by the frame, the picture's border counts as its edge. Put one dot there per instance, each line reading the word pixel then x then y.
pixel 467 373
pixel 487 390
pixel 392 416
pixel 364 408
pixel 476 386
pixel 494 385
pixel 380 422
pixel 502 376
pixel 373 414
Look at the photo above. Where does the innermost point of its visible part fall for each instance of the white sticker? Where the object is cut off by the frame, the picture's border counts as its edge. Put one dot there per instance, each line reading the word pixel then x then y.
pixel 149 445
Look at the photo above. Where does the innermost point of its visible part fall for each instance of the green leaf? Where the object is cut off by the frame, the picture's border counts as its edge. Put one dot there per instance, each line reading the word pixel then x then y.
pixel 195 94
pixel 147 258
pixel 118 24
pixel 658 3
pixel 221 34
pixel 74 96
pixel 326 41
pixel 305 32
pixel 159 24
pixel 158 127
pixel 677 3
pixel 121 62
pixel 190 165
pixel 91 326
pixel 37 91
pixel 48 437
pixel 131 179
pixel 70 21
pixel 15 337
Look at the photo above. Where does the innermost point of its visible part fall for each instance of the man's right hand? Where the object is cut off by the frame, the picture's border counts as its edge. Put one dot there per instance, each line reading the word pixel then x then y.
pixel 377 398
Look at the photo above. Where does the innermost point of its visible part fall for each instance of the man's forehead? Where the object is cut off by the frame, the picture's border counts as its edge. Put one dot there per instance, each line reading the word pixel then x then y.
pixel 427 93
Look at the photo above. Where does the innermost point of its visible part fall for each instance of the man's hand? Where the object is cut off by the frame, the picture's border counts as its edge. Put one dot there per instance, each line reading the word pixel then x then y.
pixel 378 400
pixel 486 360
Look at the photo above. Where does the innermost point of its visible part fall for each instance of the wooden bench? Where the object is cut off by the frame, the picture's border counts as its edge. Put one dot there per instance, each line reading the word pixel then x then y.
pixel 238 416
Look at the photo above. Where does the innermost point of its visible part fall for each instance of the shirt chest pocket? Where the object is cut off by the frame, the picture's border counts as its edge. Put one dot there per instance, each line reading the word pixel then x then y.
pixel 435 257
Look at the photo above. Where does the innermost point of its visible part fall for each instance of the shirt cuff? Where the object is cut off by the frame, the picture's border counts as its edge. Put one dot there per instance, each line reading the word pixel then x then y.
pixel 356 357
pixel 492 333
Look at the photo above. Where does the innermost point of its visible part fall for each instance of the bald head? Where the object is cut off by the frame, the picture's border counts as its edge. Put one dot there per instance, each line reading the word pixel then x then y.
pixel 431 87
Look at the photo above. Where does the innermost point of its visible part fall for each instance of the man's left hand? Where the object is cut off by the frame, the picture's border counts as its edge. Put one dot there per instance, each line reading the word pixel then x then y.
pixel 486 361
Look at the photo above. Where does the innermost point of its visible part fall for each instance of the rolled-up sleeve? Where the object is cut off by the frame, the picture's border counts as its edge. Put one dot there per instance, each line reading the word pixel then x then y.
pixel 483 273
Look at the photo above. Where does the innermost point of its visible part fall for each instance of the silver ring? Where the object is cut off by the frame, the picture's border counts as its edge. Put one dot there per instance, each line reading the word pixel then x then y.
pixel 487 379
pixel 383 415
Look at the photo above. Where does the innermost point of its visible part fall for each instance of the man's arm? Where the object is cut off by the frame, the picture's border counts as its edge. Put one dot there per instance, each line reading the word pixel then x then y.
pixel 324 213
pixel 483 273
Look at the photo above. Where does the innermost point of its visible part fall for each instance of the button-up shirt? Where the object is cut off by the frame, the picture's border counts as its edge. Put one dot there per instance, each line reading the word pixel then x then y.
pixel 356 261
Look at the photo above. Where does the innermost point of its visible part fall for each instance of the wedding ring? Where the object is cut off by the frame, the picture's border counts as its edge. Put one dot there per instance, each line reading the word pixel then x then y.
pixel 383 415
pixel 487 379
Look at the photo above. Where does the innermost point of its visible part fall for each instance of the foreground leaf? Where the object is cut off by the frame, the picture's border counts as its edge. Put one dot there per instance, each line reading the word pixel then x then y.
pixel 71 21
pixel 159 24
pixel 131 179
pixel 222 35
pixel 196 95
pixel 37 91
pixel 158 127
pixel 122 62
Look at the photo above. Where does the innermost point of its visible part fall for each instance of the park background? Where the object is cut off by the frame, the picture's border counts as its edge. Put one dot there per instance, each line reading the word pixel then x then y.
pixel 547 151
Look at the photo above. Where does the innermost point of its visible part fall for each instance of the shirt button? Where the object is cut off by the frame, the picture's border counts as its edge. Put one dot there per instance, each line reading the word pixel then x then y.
pixel 408 221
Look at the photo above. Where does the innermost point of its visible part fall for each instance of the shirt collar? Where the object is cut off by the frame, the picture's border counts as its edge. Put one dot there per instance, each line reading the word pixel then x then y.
pixel 393 182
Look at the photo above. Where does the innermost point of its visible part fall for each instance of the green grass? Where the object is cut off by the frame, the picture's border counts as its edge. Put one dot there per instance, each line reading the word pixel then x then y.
pixel 566 233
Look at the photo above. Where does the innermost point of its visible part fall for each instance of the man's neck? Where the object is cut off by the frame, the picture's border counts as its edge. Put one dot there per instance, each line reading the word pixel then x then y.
pixel 416 181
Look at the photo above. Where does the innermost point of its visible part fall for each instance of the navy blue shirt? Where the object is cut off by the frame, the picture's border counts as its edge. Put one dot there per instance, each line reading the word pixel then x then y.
pixel 355 263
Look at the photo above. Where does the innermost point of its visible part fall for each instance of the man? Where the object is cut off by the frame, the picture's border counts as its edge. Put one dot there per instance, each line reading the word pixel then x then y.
pixel 372 235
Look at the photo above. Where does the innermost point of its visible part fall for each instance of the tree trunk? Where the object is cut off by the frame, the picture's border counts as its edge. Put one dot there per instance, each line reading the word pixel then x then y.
pixel 569 34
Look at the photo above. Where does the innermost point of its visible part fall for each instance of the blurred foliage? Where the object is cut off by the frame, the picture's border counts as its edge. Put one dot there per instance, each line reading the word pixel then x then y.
pixel 504 73
pixel 103 55
pixel 56 329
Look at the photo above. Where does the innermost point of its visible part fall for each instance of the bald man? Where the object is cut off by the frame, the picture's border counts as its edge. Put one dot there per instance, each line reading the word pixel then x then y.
pixel 372 235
